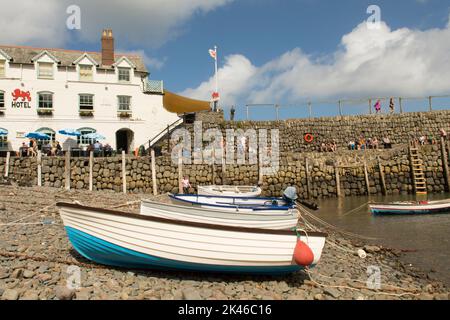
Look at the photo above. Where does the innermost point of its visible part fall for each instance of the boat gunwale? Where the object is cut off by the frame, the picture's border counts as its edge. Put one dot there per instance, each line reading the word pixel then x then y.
pixel 190 224
pixel 237 206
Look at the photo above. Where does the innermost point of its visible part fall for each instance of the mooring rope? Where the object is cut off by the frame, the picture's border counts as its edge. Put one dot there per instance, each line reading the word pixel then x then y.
pixel 339 230
pixel 407 292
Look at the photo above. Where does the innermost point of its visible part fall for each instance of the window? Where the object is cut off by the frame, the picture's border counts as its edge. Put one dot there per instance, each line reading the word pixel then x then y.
pixel 2 68
pixel 86 102
pixel 124 103
pixel 2 100
pixel 3 138
pixel 86 73
pixel 51 133
pixel 85 141
pixel 45 70
pixel 45 100
pixel 124 74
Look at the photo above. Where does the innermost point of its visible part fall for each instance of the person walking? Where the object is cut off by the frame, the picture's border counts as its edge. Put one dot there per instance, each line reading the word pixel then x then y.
pixel 378 106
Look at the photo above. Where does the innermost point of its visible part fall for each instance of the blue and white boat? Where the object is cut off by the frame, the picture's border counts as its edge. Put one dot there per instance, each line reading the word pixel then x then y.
pixel 143 242
pixel 234 204
pixel 411 207
pixel 267 219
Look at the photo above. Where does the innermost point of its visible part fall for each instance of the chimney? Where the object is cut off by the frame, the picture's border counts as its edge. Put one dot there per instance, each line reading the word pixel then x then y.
pixel 107 47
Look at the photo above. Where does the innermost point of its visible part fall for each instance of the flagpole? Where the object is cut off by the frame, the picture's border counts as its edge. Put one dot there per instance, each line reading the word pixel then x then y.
pixel 217 79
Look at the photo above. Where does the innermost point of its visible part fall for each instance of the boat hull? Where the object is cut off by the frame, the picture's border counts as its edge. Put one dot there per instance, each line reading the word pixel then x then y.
pixel 277 220
pixel 437 207
pixel 140 242
pixel 234 191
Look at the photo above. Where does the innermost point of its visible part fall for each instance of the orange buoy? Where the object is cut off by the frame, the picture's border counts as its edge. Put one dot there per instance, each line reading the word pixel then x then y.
pixel 309 137
pixel 303 254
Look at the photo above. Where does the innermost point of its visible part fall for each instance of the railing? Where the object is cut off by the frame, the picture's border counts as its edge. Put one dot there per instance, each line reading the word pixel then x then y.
pixel 153 86
pixel 165 131
pixel 342 107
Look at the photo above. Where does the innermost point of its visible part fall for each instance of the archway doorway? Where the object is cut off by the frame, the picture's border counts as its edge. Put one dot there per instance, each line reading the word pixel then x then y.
pixel 124 140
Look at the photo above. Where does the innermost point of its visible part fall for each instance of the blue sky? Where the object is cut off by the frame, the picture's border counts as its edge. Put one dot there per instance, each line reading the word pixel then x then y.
pixel 265 29
pixel 285 51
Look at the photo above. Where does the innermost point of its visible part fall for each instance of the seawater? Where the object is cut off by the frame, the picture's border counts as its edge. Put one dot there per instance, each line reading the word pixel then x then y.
pixel 428 236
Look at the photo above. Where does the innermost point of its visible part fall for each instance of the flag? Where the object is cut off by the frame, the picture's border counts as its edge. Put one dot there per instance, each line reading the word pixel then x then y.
pixel 215 96
pixel 213 54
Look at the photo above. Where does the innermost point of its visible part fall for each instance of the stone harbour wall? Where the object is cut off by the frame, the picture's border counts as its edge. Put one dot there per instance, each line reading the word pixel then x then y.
pixel 319 181
pixel 400 128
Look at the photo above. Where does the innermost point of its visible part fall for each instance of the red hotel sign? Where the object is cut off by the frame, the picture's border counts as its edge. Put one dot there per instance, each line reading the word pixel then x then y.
pixel 24 95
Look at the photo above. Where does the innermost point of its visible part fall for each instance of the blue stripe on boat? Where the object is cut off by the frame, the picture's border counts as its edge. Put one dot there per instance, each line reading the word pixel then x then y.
pixel 255 207
pixel 107 253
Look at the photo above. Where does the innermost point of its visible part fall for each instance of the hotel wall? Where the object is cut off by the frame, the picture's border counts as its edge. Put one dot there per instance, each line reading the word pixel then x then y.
pixel 148 115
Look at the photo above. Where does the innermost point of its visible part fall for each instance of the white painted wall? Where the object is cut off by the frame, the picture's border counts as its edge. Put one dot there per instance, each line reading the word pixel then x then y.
pixel 148 114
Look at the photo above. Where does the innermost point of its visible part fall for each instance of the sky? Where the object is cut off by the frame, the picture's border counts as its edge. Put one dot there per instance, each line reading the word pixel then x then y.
pixel 285 52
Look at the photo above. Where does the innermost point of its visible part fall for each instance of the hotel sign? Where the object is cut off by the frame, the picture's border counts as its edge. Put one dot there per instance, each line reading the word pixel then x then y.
pixel 25 99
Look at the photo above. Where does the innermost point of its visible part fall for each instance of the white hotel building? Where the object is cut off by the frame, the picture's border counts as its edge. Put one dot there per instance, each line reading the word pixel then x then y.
pixel 46 90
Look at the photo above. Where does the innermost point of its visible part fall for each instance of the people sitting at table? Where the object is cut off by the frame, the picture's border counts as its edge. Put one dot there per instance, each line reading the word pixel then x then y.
pixel 23 150
pixel 107 149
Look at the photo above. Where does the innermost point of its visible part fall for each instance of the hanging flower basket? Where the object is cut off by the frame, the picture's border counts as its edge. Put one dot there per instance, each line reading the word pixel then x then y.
pixel 86 113
pixel 45 112
pixel 124 114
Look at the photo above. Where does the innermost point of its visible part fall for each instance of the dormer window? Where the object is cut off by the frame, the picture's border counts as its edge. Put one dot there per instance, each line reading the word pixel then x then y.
pixel 45 70
pixel 124 74
pixel 2 68
pixel 86 73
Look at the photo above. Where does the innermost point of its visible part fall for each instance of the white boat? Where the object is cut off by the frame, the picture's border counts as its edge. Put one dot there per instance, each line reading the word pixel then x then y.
pixel 233 204
pixel 239 191
pixel 411 207
pixel 275 220
pixel 139 242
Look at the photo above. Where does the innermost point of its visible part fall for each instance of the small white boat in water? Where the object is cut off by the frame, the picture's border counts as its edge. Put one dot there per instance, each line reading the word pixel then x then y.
pixel 137 241
pixel 238 191
pixel 233 204
pixel 411 207
pixel 275 220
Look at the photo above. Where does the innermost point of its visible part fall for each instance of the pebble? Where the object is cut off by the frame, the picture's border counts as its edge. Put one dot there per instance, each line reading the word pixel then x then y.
pixel 64 293
pixel 30 280
pixel 10 294
pixel 191 294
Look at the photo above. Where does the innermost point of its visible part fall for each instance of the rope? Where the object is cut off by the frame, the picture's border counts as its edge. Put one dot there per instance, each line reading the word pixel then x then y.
pixel 350 234
pixel 356 209
pixel 408 292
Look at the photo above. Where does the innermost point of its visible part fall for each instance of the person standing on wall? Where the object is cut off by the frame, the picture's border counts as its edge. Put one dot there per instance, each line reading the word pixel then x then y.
pixel 391 105
pixel 378 106
pixel 232 112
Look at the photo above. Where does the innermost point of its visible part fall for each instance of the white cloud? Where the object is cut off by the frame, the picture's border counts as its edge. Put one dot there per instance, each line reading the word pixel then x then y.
pixel 139 23
pixel 368 63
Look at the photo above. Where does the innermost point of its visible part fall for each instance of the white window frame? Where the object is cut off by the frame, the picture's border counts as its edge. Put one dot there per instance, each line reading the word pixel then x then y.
pixel 80 67
pixel 80 103
pixel 119 104
pixel 2 74
pixel 48 131
pixel 84 141
pixel 39 100
pixel 2 100
pixel 45 76
pixel 124 69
